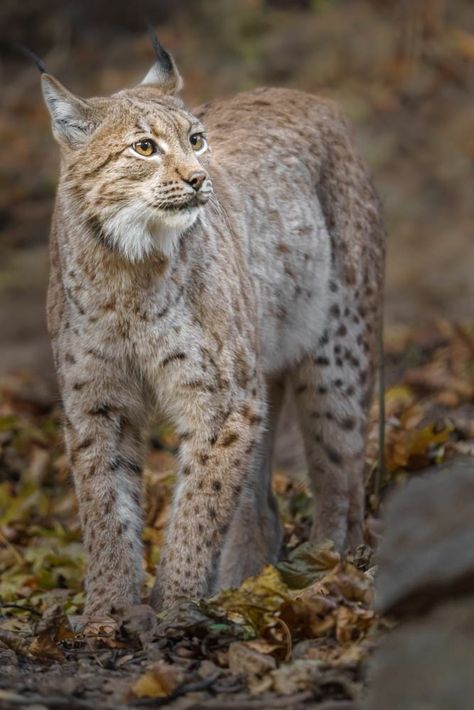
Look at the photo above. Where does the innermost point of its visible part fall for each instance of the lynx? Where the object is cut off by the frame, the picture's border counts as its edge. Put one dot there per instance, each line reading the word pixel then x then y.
pixel 201 262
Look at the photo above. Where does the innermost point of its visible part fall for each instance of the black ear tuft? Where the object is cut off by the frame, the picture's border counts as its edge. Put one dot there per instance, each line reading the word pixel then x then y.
pixel 31 55
pixel 164 74
pixel 162 56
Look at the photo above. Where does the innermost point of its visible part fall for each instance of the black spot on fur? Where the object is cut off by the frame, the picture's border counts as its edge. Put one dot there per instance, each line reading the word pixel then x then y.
pixel 98 355
pixel 171 358
pixel 84 444
pixel 230 438
pixel 124 463
pixel 322 360
pixel 324 339
pixel 102 410
pixel 333 455
pixel 348 424
pixel 212 513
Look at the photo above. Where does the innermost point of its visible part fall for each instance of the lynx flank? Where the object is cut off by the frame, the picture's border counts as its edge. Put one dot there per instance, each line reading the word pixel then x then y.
pixel 200 262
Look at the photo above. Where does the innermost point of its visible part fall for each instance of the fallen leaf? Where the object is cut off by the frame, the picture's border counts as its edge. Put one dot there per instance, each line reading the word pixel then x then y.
pixel 158 681
pixel 307 563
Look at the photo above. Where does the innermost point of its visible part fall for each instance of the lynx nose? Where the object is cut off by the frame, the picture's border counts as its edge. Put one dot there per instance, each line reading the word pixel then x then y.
pixel 196 180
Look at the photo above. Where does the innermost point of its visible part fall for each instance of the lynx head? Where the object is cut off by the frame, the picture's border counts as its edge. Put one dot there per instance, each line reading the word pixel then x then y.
pixel 134 163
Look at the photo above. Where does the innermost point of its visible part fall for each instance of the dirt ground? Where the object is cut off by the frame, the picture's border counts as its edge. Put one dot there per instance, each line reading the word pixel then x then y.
pixel 302 634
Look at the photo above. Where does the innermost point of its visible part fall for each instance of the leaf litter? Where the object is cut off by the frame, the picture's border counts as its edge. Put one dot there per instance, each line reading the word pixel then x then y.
pixel 300 632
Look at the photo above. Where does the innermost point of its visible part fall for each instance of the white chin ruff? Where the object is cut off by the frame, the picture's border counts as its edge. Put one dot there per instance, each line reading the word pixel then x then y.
pixel 138 232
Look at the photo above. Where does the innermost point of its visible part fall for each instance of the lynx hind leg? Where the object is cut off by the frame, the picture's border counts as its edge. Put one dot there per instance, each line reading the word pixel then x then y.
pixel 255 535
pixel 332 391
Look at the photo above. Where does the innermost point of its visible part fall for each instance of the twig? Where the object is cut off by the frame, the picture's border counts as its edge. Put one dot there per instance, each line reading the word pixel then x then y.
pixel 11 547
pixel 288 701
pixel 29 609
pixel 288 639
pixel 53 701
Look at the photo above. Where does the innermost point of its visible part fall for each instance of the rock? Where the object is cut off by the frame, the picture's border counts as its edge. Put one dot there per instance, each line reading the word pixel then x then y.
pixel 426 568
pixel 138 621
pixel 297 676
pixel 427 554
pixel 248 661
pixel 427 663
pixel 305 674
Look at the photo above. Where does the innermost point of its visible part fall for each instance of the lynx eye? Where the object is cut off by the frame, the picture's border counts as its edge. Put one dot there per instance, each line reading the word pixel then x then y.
pixel 145 147
pixel 198 142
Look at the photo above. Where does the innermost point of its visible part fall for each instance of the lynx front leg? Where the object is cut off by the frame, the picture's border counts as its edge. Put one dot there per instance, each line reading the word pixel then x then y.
pixel 104 426
pixel 215 464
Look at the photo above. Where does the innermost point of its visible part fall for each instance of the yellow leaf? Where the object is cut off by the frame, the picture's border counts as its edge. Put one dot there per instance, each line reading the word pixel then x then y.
pixel 148 686
pixel 429 436
pixel 255 602
pixel 397 399
pixel 160 680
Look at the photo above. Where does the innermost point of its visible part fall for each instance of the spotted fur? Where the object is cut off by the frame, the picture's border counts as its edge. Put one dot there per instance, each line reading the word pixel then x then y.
pixel 203 304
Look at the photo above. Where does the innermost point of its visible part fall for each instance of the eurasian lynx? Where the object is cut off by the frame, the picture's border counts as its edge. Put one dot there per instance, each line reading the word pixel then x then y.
pixel 200 261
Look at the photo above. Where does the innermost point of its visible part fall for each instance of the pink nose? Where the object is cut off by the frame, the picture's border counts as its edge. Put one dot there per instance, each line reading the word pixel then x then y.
pixel 196 180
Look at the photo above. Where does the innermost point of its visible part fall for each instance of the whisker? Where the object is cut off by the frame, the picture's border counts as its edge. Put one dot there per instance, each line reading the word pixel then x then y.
pixel 220 210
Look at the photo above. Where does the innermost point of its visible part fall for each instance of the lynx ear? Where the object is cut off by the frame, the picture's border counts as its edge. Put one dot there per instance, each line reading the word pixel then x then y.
pixel 72 117
pixel 163 75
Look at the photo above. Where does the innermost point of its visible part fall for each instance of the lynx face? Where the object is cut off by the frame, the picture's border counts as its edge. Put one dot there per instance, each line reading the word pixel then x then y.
pixel 136 161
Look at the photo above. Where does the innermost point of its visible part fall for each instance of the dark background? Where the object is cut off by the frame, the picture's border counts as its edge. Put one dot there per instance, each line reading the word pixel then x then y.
pixel 402 71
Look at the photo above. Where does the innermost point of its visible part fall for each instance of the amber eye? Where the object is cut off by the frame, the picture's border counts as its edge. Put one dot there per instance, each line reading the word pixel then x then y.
pixel 198 142
pixel 145 147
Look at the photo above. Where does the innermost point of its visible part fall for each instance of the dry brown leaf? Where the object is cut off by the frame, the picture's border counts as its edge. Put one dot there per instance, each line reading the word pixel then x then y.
pixel 44 648
pixel 307 563
pixel 352 623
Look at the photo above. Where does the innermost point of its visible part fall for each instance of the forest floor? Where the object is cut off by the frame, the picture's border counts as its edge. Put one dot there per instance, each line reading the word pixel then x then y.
pixel 299 635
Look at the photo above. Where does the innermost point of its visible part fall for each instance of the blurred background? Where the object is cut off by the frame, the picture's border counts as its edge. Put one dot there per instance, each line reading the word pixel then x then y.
pixel 402 71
